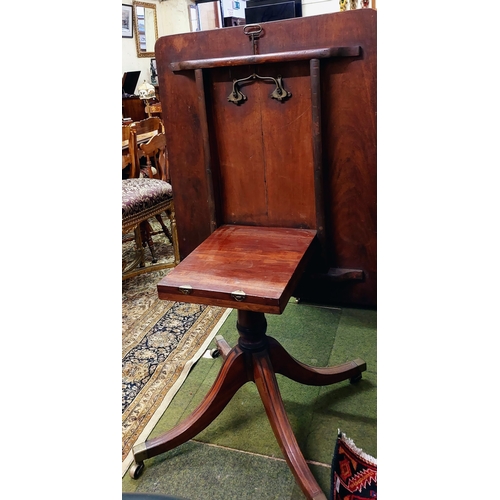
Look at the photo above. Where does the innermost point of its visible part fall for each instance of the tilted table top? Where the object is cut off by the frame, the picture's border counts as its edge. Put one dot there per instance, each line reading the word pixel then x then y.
pixel 242 267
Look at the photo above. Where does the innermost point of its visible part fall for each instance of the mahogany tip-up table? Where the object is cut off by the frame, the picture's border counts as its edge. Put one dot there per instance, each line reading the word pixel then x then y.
pixel 254 270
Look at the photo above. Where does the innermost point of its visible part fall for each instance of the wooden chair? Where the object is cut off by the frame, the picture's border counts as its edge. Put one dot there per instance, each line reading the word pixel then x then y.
pixel 155 153
pixel 147 129
pixel 148 126
pixel 153 108
pixel 144 130
pixel 129 143
pixel 155 166
pixel 143 198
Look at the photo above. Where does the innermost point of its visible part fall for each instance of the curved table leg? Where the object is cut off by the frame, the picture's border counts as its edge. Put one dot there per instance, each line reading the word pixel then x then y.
pixel 287 365
pixel 231 377
pixel 222 346
pixel 267 386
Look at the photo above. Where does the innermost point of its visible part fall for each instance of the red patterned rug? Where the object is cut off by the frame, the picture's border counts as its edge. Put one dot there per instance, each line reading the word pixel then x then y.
pixel 354 473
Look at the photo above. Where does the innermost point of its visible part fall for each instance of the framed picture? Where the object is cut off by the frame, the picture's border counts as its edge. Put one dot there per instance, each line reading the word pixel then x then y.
pixel 127 26
pixel 154 72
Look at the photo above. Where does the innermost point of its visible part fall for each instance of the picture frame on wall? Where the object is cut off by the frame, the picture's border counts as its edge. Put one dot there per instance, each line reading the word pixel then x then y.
pixel 154 72
pixel 127 25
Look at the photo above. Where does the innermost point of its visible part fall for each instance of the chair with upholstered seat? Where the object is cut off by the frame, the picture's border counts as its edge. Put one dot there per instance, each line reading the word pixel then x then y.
pixel 146 129
pixel 143 198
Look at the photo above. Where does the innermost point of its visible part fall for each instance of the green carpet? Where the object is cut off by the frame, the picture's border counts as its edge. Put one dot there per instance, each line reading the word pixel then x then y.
pixel 237 456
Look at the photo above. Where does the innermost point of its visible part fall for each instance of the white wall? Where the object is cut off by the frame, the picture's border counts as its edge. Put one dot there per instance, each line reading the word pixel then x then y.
pixel 172 18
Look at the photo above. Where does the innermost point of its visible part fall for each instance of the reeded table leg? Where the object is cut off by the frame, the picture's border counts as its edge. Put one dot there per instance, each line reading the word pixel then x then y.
pixel 288 366
pixel 231 377
pixel 267 385
pixel 257 358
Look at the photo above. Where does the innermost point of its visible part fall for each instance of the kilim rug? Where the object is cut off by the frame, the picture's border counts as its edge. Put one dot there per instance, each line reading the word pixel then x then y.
pixel 354 472
pixel 161 340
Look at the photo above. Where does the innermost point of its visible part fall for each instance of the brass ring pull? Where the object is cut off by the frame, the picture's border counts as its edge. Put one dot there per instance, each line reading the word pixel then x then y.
pixel 238 295
pixel 252 30
pixel 185 289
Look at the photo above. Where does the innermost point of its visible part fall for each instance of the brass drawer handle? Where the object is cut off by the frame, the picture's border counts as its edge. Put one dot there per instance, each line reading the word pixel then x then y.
pixel 238 295
pixel 185 289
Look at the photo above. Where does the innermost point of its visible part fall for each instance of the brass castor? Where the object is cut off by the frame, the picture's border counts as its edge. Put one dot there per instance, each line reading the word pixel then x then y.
pixel 136 470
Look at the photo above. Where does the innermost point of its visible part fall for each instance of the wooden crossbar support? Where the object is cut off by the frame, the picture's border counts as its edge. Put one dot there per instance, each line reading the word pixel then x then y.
pixel 294 55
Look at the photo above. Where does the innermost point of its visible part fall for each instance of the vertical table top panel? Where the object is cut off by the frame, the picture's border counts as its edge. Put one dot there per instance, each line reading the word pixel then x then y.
pixel 243 267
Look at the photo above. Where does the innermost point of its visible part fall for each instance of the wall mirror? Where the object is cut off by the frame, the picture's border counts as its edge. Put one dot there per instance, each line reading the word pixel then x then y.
pixel 146 28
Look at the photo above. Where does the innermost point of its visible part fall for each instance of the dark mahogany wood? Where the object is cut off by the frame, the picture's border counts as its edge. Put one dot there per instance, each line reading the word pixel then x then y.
pixel 133 107
pixel 263 262
pixel 255 270
pixel 256 358
pixel 288 366
pixel 231 377
pixel 273 197
pixel 267 385
pixel 295 55
pixel 263 156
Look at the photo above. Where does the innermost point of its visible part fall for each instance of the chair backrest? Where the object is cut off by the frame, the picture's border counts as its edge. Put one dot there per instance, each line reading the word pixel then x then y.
pixel 129 151
pixel 155 152
pixel 148 127
pixel 153 108
pixel 145 130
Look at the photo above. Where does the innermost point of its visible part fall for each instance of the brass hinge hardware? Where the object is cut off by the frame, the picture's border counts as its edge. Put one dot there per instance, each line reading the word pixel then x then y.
pixel 238 295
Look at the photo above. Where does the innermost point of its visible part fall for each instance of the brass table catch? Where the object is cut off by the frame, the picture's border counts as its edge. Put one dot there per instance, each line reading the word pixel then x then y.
pixel 253 31
pixel 185 289
pixel 238 295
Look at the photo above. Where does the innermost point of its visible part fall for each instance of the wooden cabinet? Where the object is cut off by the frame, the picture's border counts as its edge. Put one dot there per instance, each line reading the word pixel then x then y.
pixel 133 107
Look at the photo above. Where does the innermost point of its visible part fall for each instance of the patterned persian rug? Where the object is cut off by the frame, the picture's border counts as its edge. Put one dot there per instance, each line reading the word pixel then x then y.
pixel 161 340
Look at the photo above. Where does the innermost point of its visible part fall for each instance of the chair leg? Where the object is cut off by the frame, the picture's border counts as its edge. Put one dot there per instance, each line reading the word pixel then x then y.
pixel 164 228
pixel 173 225
pixel 138 259
pixel 138 246
pixel 147 239
pixel 170 234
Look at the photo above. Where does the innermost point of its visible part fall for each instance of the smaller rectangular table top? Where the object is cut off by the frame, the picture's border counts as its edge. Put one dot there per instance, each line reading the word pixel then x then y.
pixel 242 267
